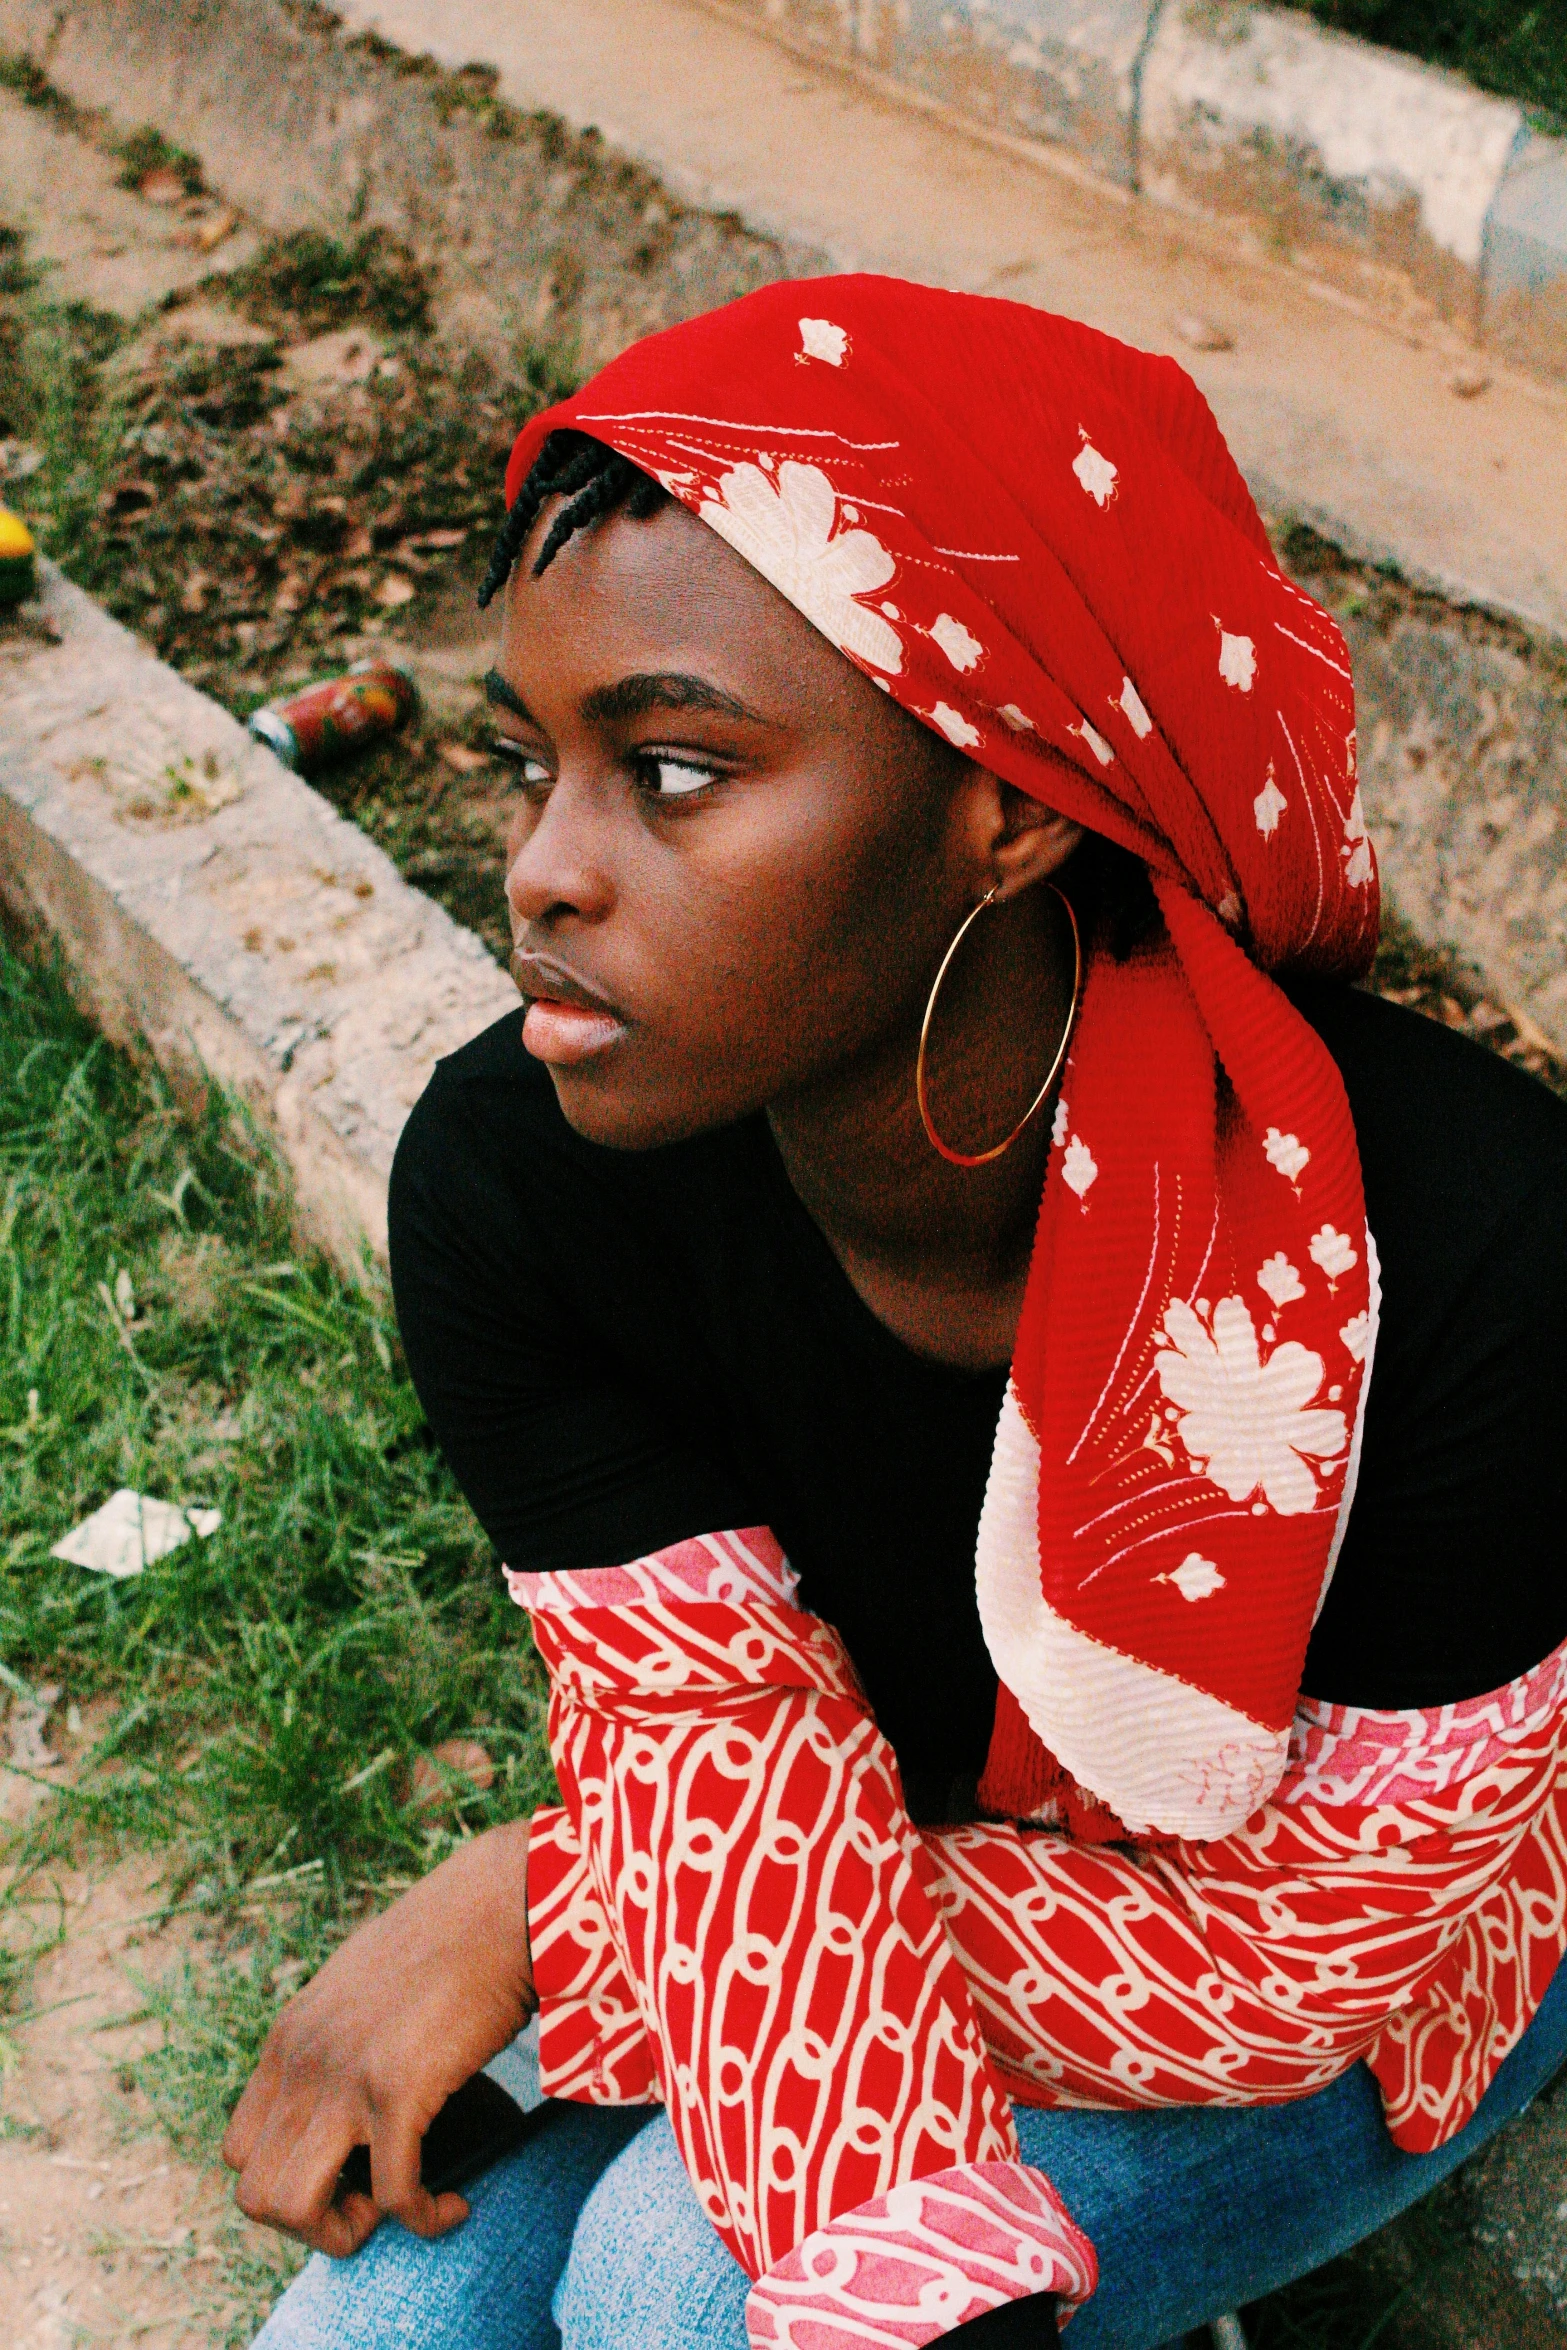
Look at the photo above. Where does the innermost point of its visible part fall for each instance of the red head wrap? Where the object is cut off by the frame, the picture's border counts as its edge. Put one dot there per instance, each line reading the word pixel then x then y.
pixel 1037 541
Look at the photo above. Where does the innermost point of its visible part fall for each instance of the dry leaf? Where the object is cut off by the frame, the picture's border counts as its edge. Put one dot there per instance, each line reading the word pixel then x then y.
pixel 211 233
pixel 437 1777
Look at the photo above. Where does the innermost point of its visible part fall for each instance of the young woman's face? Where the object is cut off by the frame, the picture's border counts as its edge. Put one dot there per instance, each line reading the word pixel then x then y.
pixel 737 862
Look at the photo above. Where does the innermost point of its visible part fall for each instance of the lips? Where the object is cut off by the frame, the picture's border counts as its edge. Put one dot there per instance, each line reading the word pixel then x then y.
pixel 567 1021
pixel 540 978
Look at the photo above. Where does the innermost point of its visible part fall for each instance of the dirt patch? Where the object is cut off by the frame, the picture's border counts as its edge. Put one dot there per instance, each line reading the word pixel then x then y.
pixel 106 2234
pixel 537 229
pixel 88 224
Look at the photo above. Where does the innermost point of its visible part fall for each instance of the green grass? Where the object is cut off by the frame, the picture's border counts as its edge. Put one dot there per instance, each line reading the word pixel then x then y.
pixel 260 1695
pixel 1514 48
pixel 320 282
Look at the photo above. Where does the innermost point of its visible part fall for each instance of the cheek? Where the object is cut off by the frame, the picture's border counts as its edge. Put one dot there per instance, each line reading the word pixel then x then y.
pixel 783 943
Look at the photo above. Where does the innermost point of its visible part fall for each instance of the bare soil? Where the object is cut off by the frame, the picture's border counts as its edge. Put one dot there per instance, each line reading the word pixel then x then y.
pixel 106 2234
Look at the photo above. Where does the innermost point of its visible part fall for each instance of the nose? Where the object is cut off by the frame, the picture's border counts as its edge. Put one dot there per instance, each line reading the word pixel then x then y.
pixel 558 866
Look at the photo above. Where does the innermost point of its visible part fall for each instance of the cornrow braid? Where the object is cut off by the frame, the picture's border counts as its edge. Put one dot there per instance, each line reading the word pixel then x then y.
pixel 594 480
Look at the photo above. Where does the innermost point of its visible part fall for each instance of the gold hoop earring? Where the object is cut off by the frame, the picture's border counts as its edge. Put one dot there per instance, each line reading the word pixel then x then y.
pixel 921 1095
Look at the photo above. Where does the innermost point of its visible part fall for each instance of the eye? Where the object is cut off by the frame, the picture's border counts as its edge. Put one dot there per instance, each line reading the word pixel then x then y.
pixel 532 769
pixel 665 778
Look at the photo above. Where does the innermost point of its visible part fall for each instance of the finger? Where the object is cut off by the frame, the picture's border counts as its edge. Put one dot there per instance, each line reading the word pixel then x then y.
pixel 360 2214
pixel 451 2209
pixel 291 2179
pixel 395 2149
pixel 250 2115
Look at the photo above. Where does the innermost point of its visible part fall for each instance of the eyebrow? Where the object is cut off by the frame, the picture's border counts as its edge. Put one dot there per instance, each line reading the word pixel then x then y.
pixel 636 695
pixel 496 690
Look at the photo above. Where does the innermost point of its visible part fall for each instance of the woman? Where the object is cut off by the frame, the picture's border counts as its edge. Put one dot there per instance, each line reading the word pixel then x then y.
pixel 923 761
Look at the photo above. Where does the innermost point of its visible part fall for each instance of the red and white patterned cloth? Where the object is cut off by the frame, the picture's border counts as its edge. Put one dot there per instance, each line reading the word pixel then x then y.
pixel 733 1914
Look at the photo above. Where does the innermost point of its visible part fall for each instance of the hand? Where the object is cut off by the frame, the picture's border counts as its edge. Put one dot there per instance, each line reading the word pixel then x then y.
pixel 409 2008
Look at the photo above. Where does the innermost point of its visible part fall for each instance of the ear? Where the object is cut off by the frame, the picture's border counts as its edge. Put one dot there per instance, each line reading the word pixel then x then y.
pixel 1018 839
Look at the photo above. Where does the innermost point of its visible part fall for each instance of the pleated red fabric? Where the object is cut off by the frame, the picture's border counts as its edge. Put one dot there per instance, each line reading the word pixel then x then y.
pixel 1035 538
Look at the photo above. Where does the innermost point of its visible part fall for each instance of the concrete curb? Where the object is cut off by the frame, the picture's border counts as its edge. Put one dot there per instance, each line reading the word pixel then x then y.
pixel 1393 180
pixel 211 903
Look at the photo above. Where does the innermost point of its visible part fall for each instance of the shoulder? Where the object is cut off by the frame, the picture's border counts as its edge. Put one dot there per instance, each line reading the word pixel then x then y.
pixel 488 1176
pixel 488 1126
pixel 490 1086
pixel 1465 1166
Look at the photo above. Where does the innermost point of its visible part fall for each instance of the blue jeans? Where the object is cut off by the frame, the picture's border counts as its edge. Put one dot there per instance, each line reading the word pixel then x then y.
pixel 589 2238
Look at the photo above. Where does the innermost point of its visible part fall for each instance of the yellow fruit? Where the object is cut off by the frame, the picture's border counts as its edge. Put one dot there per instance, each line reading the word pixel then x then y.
pixel 18 571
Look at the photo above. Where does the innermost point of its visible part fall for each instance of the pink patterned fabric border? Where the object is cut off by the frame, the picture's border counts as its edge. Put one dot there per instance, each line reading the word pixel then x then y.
pixel 732 1566
pixel 930 2256
pixel 1343 1754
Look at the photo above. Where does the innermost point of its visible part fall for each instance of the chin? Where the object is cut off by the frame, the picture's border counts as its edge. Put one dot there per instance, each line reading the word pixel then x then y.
pixel 604 1113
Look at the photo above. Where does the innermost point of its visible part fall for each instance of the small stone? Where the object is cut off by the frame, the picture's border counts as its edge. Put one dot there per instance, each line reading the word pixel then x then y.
pixel 395 590
pixel 466 761
pixel 1467 383
pixel 162 185
pixel 1204 334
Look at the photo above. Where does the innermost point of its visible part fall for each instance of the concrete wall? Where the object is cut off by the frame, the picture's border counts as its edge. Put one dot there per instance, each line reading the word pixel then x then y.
pixel 209 902
pixel 1463 763
pixel 1401 185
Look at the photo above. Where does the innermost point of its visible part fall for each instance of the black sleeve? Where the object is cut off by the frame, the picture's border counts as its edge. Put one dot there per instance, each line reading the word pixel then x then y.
pixel 1453 1575
pixel 565 1462
pixel 1029 2324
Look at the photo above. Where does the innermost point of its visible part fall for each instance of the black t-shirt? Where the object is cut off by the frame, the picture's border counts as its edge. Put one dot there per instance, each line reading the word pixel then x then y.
pixel 616 1350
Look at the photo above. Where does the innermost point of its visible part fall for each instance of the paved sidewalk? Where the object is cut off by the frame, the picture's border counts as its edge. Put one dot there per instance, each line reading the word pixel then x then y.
pixel 1342 422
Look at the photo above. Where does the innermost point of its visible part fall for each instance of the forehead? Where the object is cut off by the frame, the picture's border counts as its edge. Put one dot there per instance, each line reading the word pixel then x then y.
pixel 663 593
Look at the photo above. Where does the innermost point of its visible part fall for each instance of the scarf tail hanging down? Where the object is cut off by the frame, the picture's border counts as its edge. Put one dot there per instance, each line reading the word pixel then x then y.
pixel 1035 539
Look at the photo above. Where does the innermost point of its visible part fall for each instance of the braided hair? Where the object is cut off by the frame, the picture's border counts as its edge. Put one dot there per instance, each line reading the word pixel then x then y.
pixel 594 480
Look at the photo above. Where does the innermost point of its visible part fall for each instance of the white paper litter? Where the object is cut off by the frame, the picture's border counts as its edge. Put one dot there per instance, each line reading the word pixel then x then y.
pixel 130 1532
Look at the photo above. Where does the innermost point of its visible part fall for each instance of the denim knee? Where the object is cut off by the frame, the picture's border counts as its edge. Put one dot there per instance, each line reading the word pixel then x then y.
pixel 646 2265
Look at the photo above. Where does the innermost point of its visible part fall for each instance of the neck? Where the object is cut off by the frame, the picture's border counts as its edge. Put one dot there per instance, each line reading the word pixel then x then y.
pixel 940 1253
